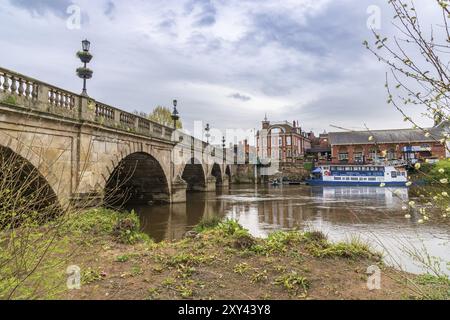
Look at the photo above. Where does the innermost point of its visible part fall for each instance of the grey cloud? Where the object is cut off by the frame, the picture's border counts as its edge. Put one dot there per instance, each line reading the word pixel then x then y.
pixel 206 16
pixel 42 7
pixel 239 96
pixel 110 8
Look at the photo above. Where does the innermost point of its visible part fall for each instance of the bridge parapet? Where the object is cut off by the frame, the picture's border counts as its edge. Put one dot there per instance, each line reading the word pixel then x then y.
pixel 23 91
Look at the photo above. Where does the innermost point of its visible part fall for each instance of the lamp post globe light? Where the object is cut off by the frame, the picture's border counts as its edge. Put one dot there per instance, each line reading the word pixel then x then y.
pixel 175 115
pixel 84 72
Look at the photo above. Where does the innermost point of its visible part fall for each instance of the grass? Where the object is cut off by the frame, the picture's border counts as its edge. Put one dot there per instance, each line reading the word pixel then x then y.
pixel 434 287
pixel 77 233
pixel 293 282
pixel 123 226
pixel 241 268
pixel 223 261
pixel 90 275
pixel 353 249
pixel 123 258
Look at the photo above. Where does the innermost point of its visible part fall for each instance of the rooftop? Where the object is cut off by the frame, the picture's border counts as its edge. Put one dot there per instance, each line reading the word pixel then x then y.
pixel 386 136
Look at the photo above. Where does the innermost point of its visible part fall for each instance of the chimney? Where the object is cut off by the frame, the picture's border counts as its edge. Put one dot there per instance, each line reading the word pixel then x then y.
pixel 294 124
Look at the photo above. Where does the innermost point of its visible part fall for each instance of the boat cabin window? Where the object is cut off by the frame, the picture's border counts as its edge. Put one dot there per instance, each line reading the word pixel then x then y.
pixel 394 174
pixel 372 179
pixel 337 178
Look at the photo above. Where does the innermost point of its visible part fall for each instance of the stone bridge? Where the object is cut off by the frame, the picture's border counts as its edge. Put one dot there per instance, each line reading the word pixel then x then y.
pixel 85 149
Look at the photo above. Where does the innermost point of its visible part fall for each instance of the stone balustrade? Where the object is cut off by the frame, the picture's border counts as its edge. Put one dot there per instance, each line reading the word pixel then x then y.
pixel 21 91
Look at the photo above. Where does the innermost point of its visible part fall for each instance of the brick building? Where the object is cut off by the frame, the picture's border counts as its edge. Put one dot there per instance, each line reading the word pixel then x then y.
pixel 320 149
pixel 411 145
pixel 282 141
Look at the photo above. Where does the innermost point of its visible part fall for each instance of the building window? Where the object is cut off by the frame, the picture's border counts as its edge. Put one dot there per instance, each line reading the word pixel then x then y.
pixel 373 154
pixel 288 141
pixel 391 154
pixel 343 156
pixel 280 141
pixel 275 131
pixel 358 156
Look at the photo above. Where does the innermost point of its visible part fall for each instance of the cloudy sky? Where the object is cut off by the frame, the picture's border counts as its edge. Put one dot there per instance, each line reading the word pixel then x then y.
pixel 228 62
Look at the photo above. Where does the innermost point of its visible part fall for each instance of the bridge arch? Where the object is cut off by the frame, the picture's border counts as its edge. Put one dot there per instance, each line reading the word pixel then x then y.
pixel 138 178
pixel 216 172
pixel 194 175
pixel 41 167
pixel 24 188
pixel 228 172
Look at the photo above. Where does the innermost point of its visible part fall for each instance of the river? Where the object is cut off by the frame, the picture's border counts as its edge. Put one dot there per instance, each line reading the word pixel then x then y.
pixel 373 214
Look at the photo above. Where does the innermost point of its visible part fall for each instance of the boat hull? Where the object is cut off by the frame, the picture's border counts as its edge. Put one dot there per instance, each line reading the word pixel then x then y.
pixel 318 182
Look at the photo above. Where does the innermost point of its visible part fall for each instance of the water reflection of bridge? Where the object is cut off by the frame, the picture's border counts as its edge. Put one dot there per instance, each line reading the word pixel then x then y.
pixel 265 210
pixel 172 221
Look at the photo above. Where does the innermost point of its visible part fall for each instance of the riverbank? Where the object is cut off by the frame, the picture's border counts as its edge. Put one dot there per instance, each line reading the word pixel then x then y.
pixel 218 261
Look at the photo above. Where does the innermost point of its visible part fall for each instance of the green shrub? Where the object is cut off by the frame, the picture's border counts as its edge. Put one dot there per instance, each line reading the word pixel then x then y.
pixel 207 223
pixel 434 172
pixel 279 240
pixel 229 227
pixel 308 166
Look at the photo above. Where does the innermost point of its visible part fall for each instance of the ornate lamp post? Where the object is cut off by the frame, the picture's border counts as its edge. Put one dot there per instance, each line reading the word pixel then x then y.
pixel 85 57
pixel 223 146
pixel 207 132
pixel 175 115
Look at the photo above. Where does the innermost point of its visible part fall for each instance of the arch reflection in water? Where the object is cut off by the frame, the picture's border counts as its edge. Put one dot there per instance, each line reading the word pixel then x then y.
pixel 172 221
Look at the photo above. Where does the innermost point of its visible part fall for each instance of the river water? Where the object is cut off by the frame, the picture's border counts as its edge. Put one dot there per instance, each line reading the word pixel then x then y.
pixel 373 214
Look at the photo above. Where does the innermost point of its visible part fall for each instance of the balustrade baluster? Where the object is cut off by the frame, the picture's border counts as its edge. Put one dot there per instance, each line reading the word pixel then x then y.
pixel 6 83
pixel 72 102
pixel 51 96
pixel 61 99
pixel 66 100
pixel 13 85
pixel 27 89
pixel 20 90
pixel 34 93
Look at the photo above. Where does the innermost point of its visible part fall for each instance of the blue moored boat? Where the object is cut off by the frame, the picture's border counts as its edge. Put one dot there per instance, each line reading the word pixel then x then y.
pixel 359 175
